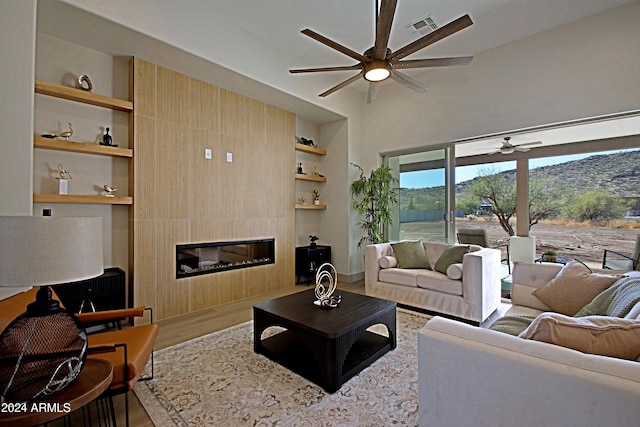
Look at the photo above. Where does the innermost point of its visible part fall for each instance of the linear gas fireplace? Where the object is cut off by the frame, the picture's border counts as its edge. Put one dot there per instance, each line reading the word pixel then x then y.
pixel 204 258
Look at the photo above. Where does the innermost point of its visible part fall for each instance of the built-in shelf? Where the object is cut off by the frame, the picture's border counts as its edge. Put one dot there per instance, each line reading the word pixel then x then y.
pixel 313 178
pixel 311 149
pixel 81 147
pixel 74 198
pixel 82 96
pixel 90 98
pixel 312 207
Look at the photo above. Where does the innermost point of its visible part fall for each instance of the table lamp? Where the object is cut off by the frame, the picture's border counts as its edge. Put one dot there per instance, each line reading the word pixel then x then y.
pixel 43 350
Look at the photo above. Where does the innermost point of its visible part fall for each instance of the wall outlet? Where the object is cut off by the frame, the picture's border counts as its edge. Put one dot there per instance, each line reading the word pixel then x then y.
pixel 229 157
pixel 207 153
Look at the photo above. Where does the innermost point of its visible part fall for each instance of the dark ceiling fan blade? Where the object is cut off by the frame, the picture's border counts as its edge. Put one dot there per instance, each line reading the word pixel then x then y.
pixel 436 62
pixel 325 41
pixel 373 92
pixel 343 84
pixel 319 70
pixel 408 81
pixel 383 28
pixel 442 32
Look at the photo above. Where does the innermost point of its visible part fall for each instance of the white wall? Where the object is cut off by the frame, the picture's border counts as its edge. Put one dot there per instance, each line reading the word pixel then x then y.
pixel 17 46
pixel 587 68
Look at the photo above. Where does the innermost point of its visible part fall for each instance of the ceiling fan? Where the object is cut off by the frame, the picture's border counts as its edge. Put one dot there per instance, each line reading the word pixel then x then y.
pixel 508 148
pixel 379 62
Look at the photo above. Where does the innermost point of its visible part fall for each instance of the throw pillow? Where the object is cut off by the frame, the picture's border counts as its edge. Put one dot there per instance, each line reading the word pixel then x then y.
pixel 454 271
pixel 411 254
pixel 387 262
pixel 603 335
pixel 574 287
pixel 452 255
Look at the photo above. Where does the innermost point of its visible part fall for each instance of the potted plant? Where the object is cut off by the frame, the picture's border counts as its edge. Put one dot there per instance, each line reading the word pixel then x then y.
pixel 312 240
pixel 550 256
pixel 372 198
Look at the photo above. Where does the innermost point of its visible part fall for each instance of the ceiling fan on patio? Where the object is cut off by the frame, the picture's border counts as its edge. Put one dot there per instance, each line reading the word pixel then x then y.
pixel 508 148
pixel 379 62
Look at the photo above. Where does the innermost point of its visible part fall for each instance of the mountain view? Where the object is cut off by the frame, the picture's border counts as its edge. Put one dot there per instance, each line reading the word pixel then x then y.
pixel 618 174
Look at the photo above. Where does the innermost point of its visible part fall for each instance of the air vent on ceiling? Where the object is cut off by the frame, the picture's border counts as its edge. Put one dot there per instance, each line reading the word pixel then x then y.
pixel 423 26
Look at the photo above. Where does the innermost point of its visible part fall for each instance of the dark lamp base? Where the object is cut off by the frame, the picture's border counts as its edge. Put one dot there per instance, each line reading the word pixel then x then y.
pixel 44 304
pixel 43 350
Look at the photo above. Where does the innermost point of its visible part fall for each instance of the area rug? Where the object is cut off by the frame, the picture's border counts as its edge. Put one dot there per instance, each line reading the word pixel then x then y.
pixel 219 380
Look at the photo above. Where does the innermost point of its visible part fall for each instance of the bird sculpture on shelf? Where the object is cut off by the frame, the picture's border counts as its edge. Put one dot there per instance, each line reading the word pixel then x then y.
pixel 66 134
pixel 110 190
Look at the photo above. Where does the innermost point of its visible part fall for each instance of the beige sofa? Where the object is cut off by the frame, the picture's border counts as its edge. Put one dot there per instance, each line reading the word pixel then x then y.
pixel 470 291
pixel 504 380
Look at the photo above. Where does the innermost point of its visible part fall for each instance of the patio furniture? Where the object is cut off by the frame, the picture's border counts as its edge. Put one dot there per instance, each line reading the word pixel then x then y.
pixel 615 260
pixel 478 236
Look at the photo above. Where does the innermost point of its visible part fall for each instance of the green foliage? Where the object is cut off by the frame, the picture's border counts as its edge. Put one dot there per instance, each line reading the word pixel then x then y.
pixel 372 199
pixel 595 205
pixel 500 191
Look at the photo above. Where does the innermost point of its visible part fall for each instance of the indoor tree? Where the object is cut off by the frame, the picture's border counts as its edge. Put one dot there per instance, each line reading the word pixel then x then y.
pixel 372 198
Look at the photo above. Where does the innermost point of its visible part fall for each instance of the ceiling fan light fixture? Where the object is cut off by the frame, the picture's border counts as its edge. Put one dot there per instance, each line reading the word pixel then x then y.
pixel 377 71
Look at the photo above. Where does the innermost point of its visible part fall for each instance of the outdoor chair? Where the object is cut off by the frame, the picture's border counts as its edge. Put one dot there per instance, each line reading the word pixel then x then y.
pixel 478 236
pixel 128 349
pixel 615 260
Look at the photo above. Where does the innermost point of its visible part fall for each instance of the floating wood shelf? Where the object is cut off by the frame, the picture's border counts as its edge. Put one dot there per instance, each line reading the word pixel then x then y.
pixel 74 198
pixel 313 178
pixel 81 147
pixel 312 207
pixel 83 96
pixel 311 149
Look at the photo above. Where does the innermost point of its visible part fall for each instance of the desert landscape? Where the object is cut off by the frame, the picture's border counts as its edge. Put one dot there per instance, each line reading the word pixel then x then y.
pixel 586 243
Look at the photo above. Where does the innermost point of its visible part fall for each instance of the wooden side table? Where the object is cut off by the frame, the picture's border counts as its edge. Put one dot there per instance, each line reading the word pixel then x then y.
pixel 94 379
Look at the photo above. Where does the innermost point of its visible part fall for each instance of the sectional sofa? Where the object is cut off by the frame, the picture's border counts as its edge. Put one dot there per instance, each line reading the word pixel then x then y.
pixel 484 377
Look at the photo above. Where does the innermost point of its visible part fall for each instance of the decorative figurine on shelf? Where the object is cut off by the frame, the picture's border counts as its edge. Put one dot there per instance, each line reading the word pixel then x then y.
pixel 84 83
pixel 63 179
pixel 303 200
pixel 300 171
pixel 109 190
pixel 324 294
pixel 64 173
pixel 316 197
pixel 67 133
pixel 312 240
pixel 316 173
pixel 107 140
pixel 308 142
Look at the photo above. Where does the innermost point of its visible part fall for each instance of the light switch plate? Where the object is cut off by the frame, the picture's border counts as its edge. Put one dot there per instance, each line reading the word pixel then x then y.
pixel 207 153
pixel 229 157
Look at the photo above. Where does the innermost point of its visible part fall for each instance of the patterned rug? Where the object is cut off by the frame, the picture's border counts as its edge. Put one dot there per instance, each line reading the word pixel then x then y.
pixel 219 380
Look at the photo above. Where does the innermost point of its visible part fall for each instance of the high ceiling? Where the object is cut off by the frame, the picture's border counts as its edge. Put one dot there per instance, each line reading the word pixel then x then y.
pixel 241 34
pixel 261 39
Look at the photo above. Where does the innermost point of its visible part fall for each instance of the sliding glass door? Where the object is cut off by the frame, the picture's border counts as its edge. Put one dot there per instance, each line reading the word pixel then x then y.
pixel 426 207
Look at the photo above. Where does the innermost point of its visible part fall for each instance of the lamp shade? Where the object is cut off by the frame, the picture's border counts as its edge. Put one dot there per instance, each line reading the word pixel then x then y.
pixel 43 350
pixel 49 250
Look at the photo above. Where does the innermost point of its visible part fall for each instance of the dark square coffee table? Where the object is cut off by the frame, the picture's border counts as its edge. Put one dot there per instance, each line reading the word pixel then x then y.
pixel 326 346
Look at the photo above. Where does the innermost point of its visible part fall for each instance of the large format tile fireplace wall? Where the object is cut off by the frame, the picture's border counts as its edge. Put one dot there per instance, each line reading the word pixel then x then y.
pixel 182 198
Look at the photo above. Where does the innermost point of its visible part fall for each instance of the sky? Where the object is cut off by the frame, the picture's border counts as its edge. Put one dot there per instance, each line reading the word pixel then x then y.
pixel 435 178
